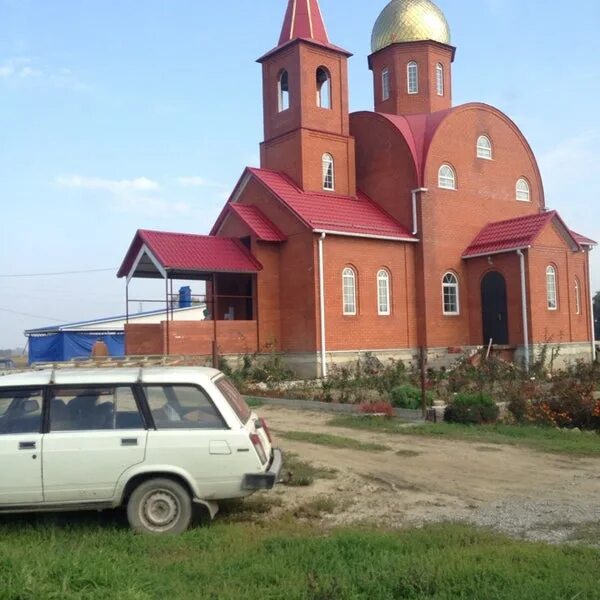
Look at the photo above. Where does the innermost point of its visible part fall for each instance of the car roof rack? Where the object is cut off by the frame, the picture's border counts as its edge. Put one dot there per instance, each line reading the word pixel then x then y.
pixel 126 362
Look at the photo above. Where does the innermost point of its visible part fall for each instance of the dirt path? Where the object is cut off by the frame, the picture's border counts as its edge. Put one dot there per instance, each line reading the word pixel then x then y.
pixel 522 492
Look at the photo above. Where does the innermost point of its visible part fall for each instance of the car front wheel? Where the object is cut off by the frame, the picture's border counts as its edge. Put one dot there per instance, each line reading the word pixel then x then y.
pixel 159 506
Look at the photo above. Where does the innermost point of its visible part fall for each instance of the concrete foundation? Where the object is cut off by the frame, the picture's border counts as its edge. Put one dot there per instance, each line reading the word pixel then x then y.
pixel 308 365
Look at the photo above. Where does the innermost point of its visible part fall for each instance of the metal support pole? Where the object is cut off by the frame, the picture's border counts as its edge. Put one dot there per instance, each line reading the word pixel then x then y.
pixel 524 310
pixel 168 348
pixel 215 347
pixel 322 308
pixel 591 294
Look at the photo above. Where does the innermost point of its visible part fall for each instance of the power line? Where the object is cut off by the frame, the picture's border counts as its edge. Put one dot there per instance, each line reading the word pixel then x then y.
pixel 22 314
pixel 57 273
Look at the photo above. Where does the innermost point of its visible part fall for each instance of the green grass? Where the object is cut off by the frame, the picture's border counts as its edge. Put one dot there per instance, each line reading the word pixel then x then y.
pixel 334 441
pixel 301 473
pixel 253 402
pixel 96 558
pixel 544 439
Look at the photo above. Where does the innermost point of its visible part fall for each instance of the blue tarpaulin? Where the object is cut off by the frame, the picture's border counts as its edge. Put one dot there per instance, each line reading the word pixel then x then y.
pixel 66 345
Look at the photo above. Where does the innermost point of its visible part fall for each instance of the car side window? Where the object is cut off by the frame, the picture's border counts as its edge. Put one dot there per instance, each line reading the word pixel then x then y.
pixel 94 409
pixel 20 411
pixel 182 407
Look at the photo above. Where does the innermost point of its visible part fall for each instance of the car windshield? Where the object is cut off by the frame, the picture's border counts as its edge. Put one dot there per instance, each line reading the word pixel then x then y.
pixel 235 399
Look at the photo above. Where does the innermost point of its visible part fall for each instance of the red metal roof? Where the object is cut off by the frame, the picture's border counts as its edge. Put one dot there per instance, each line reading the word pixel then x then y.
pixel 513 234
pixel 183 252
pixel 329 212
pixel 303 19
pixel 264 229
pixel 582 240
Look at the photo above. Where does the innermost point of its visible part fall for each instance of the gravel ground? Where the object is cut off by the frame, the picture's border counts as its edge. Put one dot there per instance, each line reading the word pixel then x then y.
pixel 521 492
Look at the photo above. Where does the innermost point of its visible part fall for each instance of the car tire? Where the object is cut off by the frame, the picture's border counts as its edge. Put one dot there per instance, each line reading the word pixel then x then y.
pixel 159 506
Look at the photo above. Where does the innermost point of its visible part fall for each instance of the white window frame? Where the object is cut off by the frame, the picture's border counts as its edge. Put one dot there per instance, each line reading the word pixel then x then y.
pixel 326 83
pixel 453 286
pixel 283 96
pixel 523 190
pixel 412 77
pixel 577 297
pixel 328 172
pixel 349 292
pixel 484 148
pixel 551 288
pixel 383 293
pixel 385 84
pixel 446 180
pixel 439 79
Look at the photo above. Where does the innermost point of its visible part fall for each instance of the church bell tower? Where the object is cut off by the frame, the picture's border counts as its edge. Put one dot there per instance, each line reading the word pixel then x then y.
pixel 305 103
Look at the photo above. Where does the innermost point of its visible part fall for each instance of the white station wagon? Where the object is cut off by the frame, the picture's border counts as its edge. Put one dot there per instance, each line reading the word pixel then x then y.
pixel 155 440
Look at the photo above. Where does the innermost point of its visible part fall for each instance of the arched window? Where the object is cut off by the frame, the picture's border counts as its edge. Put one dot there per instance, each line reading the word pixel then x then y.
pixel 349 291
pixel 328 173
pixel 283 91
pixel 447 178
pixel 383 292
pixel 484 147
pixel 523 190
pixel 577 297
pixel 551 291
pixel 385 84
pixel 413 77
pixel 439 79
pixel 450 294
pixel 323 88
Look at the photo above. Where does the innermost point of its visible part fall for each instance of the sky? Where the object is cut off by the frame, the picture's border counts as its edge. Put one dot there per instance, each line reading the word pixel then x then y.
pixel 124 114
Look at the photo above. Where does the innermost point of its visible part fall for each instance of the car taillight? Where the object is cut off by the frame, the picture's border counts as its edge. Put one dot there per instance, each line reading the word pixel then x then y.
pixel 265 426
pixel 255 439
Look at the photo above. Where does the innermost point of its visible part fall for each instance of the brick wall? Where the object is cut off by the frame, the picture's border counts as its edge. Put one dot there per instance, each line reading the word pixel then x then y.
pixel 396 58
pixel 143 339
pixel 297 138
pixel 563 324
pixel 367 330
pixel 191 338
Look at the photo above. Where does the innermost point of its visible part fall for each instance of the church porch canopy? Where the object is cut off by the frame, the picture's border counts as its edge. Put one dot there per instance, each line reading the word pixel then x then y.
pixel 519 234
pixel 162 255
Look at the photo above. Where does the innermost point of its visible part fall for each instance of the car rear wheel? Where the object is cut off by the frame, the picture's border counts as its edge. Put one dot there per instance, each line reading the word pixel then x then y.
pixel 159 506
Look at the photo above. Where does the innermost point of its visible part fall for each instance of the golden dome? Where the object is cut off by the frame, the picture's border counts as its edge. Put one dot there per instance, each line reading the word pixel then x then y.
pixel 409 21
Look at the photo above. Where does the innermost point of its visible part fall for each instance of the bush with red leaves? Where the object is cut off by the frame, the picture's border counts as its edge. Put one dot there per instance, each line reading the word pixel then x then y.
pixel 377 408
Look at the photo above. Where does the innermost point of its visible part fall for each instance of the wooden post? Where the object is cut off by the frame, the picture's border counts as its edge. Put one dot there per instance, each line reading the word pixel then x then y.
pixel 423 365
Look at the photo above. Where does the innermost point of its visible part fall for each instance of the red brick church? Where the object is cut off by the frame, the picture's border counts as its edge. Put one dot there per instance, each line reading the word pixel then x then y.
pixel 418 224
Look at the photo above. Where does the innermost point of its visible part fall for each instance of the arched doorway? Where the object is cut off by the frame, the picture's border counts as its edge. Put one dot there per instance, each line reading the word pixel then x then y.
pixel 494 309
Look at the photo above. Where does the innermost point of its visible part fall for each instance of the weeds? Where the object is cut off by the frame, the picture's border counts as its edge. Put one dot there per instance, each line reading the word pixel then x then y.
pixel 333 441
pixel 299 473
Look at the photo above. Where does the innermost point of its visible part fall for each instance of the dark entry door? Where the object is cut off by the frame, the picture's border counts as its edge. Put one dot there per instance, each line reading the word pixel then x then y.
pixel 494 309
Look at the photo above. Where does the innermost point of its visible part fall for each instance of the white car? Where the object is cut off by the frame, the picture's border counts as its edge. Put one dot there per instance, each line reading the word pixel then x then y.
pixel 155 440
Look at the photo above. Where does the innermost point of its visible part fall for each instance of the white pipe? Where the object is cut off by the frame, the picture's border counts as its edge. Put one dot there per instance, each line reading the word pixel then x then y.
pixel 414 207
pixel 322 307
pixel 593 338
pixel 524 309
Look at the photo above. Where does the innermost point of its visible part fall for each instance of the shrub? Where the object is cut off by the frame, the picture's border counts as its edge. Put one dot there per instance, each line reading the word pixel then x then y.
pixel 472 409
pixel 409 396
pixel 569 403
pixel 377 408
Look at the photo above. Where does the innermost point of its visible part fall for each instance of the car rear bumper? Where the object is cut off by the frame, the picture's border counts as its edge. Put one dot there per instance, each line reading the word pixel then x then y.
pixel 268 479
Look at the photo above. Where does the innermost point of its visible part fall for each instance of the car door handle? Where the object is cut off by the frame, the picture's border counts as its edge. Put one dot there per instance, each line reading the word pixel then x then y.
pixel 129 442
pixel 27 445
